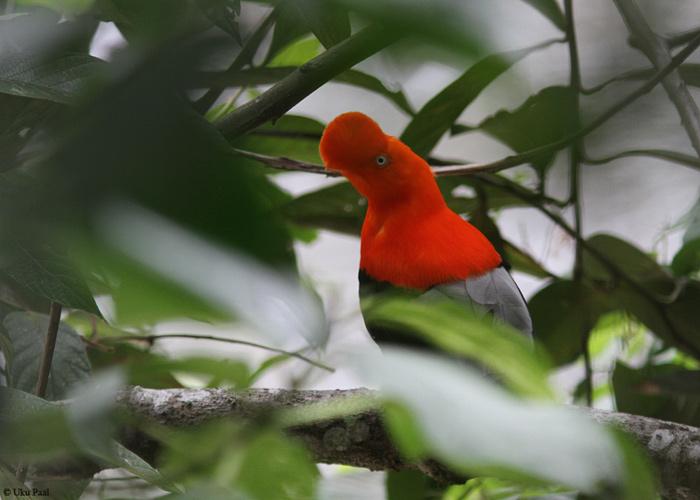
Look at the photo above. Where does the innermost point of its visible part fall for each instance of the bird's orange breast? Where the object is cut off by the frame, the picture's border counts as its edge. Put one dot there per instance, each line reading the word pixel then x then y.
pixel 424 250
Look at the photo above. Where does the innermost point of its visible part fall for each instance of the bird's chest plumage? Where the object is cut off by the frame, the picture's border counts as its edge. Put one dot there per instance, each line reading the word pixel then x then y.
pixel 424 250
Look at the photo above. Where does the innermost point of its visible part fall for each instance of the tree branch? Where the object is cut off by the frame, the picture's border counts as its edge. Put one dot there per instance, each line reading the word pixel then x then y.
pixel 289 91
pixel 474 168
pixel 656 49
pixel 361 440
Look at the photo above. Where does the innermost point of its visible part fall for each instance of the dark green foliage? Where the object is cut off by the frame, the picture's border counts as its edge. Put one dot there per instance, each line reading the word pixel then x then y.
pixel 440 113
pixel 70 366
pixel 543 119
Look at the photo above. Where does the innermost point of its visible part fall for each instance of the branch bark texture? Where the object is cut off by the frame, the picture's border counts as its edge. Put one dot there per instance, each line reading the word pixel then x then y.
pixel 361 440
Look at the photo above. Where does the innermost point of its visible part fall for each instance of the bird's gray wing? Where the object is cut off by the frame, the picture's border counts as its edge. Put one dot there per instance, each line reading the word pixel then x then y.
pixel 494 292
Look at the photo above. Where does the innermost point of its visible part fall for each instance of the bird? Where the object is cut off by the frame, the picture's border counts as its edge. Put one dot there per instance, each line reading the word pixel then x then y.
pixel 412 244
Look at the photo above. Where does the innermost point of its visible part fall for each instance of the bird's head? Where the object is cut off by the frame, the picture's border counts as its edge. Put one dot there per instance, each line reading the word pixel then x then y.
pixel 378 165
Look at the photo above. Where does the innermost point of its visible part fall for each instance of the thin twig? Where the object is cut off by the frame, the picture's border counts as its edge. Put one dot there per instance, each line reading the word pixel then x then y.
pixel 49 346
pixel 671 156
pixel 45 369
pixel 288 164
pixel 575 155
pixel 153 338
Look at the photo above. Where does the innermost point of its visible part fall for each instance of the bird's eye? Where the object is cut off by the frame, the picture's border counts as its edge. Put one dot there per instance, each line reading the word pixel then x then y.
pixel 381 160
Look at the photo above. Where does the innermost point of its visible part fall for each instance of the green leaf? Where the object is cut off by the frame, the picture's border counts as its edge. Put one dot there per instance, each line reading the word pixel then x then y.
pixel 374 84
pixel 475 427
pixel 551 10
pixel 456 330
pixel 48 274
pixel 70 363
pixel 687 259
pixel 288 28
pixel 145 144
pixel 291 136
pixel 296 54
pixel 496 198
pixel 39 424
pixel 652 391
pixel 563 315
pixel 33 428
pixel 90 412
pixel 215 372
pixel 684 315
pixel 523 261
pixel 632 261
pixel 276 467
pixel 692 221
pixel 406 485
pixel 141 365
pixel 338 208
pixel 328 21
pixel 542 119
pixel 439 114
pixel 131 462
pixel 60 79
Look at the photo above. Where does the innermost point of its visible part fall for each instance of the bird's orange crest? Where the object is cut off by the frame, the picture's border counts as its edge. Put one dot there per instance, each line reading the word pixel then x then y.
pixel 410 237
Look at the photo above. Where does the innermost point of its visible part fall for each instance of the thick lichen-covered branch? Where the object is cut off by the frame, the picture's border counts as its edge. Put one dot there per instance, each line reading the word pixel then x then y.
pixel 361 440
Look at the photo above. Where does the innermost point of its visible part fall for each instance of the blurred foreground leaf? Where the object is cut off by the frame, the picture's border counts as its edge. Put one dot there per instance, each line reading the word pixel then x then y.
pixel 276 304
pixel 475 427
pixel 40 426
pixel 502 350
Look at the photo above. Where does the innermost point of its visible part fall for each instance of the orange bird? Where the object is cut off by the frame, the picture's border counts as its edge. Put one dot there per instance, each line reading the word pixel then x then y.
pixel 410 239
